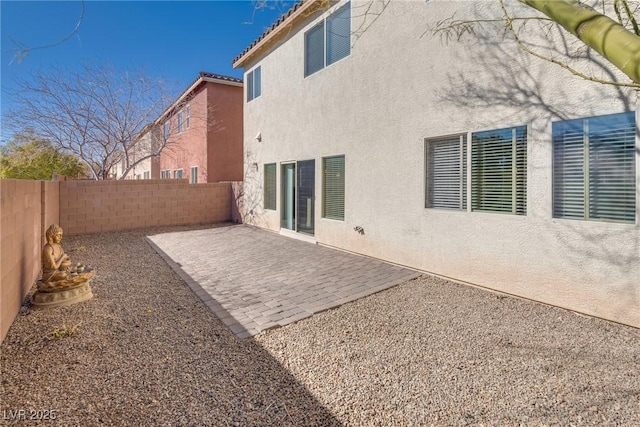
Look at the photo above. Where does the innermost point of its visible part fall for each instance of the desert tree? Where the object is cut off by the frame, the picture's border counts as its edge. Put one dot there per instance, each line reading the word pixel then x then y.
pixel 96 113
pixel 565 33
pixel 28 157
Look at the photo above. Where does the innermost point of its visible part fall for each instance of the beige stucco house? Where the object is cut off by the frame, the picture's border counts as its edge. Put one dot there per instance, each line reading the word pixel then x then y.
pixel 471 159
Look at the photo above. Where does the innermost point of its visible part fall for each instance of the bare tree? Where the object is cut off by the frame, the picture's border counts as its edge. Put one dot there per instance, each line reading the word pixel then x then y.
pixel 96 113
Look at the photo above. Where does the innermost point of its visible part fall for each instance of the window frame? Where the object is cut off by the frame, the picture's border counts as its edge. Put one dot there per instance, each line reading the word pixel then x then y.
pixel 564 181
pixel 254 83
pixel 193 180
pixel 270 187
pixel 325 188
pixel 324 23
pixel 518 172
pixel 180 122
pixel 187 119
pixel 178 174
pixel 462 186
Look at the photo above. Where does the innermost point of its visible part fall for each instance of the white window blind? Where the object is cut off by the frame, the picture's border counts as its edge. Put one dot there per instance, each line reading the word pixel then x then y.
pixel 270 186
pixel 333 187
pixel 329 41
pixel 499 170
pixel 339 34
pixel 314 49
pixel 447 172
pixel 594 174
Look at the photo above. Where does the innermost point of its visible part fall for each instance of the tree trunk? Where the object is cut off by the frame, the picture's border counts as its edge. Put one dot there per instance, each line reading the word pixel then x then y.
pixel 606 36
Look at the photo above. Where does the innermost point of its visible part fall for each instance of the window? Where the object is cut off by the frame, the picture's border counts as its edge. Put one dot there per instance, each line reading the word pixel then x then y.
pixel 187 119
pixel 254 84
pixel 594 172
pixel 329 41
pixel 167 130
pixel 333 187
pixel 166 174
pixel 177 174
pixel 499 170
pixel 270 186
pixel 180 122
pixel 193 177
pixel 146 175
pixel 447 172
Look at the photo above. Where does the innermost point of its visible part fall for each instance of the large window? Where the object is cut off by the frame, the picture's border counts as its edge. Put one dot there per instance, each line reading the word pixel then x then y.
pixel 499 170
pixel 165 174
pixel 254 83
pixel 594 168
pixel 270 186
pixel 447 172
pixel 167 130
pixel 329 41
pixel 333 187
pixel 187 118
pixel 177 174
pixel 180 122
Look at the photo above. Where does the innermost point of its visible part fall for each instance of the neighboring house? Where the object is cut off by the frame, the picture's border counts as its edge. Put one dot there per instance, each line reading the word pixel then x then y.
pixel 148 141
pixel 469 160
pixel 204 131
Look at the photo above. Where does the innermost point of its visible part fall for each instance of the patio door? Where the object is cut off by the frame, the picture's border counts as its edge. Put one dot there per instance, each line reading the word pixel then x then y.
pixel 298 196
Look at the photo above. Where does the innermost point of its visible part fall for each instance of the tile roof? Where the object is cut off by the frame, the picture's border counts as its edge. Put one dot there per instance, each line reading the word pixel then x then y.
pixel 206 74
pixel 273 26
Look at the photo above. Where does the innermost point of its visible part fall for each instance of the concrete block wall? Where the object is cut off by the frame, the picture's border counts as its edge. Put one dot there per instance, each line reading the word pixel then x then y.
pixel 21 216
pixel 27 208
pixel 95 206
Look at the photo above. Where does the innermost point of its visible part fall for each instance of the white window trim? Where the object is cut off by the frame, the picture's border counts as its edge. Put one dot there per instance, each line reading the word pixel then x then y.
pixel 324 44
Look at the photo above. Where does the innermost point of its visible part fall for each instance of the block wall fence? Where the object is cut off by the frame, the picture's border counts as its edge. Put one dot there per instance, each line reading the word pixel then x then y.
pixel 27 208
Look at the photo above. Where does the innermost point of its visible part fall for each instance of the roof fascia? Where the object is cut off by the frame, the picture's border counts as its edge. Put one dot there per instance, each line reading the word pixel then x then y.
pixel 190 90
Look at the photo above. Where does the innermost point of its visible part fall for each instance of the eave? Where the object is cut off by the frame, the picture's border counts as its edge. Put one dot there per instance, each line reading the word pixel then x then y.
pixel 281 28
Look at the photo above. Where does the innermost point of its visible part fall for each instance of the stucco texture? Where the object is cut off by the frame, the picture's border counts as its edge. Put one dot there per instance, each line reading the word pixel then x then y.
pixel 401 85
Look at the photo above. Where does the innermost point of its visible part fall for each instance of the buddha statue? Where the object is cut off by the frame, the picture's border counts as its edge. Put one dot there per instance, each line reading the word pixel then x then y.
pixel 62 283
pixel 55 262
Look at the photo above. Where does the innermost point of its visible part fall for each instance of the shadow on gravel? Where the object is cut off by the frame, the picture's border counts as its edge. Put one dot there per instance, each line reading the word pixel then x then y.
pixel 147 352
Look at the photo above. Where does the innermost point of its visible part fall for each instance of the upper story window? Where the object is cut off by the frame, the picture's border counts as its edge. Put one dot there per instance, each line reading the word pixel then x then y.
pixel 187 118
pixel 254 83
pixel 180 122
pixel 329 41
pixel 594 168
pixel 167 130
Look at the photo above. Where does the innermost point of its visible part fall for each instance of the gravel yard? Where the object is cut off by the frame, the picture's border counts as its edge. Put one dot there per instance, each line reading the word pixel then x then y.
pixel 428 352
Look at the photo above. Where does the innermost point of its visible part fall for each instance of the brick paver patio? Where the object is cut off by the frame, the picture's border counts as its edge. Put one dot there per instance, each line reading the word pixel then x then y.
pixel 254 280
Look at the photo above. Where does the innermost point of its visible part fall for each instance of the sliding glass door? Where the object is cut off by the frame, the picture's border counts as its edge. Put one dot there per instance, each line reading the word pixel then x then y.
pixel 298 196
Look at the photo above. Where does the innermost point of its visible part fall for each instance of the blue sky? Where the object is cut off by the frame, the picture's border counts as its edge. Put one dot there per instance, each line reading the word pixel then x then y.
pixel 170 39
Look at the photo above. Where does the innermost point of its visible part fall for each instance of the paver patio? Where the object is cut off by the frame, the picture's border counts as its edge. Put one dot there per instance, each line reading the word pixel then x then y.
pixel 254 280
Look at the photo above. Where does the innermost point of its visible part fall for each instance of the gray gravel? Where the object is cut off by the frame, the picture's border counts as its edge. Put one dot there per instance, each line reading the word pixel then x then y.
pixel 428 352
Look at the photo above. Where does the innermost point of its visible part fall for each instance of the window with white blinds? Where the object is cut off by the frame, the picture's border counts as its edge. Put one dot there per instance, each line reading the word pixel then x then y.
pixel 594 168
pixel 333 187
pixel 446 172
pixel 270 186
pixel 499 170
pixel 254 83
pixel 329 41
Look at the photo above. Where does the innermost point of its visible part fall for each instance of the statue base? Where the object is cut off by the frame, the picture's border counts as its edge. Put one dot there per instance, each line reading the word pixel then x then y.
pixel 61 297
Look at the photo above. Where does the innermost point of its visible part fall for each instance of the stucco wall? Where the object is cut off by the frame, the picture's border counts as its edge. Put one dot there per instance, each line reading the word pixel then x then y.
pixel 401 85
pixel 20 244
pixel 189 147
pixel 224 140
pixel 94 206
